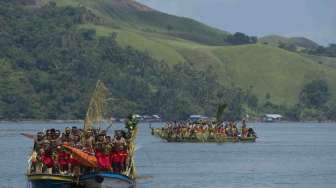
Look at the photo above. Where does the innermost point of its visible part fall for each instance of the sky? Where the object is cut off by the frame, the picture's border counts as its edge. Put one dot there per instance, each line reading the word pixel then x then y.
pixel 314 19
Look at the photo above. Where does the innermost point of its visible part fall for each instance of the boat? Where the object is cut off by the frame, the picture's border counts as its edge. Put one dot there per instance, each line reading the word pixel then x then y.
pixel 201 129
pixel 91 175
pixel 205 137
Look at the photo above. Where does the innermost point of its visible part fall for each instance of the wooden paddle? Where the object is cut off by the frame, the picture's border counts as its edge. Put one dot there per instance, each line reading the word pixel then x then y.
pixel 28 135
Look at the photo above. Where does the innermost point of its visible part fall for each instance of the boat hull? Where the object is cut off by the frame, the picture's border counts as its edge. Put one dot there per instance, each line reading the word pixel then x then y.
pixel 107 180
pixel 213 140
pixel 50 181
pixel 209 139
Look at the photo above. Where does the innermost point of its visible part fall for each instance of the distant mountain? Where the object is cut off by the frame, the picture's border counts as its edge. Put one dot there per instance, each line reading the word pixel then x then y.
pixel 299 42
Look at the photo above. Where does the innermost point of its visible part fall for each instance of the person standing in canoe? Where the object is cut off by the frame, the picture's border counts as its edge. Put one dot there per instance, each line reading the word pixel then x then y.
pixel 63 160
pixel 244 129
pixel 102 154
pixel 47 157
pixel 119 152
pixel 36 163
pixel 88 141
pixel 234 129
pixel 66 136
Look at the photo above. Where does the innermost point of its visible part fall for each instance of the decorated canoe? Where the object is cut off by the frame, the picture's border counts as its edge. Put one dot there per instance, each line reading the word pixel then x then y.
pixel 204 137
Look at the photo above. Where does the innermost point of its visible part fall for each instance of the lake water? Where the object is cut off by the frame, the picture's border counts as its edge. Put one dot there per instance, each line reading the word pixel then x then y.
pixel 285 155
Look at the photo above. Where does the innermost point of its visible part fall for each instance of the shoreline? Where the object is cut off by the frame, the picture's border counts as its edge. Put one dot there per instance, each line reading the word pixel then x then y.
pixel 82 121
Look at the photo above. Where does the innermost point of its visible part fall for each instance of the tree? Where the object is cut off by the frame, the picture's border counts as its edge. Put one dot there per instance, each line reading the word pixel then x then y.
pixel 315 94
pixel 239 38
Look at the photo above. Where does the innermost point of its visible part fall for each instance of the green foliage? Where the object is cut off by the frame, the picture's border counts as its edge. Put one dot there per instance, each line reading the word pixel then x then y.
pixel 220 112
pixel 240 38
pixel 324 51
pixel 15 101
pixel 315 94
pixel 314 104
pixel 50 68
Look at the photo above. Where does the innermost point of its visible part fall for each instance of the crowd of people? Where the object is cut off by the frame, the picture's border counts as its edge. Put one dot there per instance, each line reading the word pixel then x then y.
pixel 51 156
pixel 226 129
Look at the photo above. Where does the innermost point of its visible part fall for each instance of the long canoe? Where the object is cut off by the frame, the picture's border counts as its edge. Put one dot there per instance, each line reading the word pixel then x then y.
pixel 206 138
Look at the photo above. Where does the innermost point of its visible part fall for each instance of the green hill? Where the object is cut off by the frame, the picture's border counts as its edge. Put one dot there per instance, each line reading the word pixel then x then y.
pixel 298 42
pixel 261 69
pixel 128 14
pixel 267 69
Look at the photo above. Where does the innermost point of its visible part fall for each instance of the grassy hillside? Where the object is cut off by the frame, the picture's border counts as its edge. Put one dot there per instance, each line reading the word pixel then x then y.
pixel 128 14
pixel 299 42
pixel 267 69
pixel 261 69
pixel 328 61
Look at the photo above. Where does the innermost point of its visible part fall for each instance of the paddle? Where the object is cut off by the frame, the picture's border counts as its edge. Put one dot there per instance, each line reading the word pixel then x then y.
pixel 27 135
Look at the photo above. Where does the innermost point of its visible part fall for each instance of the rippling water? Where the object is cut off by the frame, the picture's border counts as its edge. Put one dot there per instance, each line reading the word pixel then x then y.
pixel 285 155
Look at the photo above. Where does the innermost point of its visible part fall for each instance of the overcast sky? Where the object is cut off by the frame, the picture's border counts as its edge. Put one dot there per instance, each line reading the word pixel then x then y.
pixel 315 19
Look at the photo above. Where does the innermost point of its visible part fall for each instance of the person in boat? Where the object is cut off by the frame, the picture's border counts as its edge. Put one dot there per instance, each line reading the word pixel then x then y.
pixel 244 129
pixel 66 136
pixel 47 157
pixel 102 153
pixel 36 163
pixel 63 160
pixel 251 133
pixel 119 151
pixel 88 141
pixel 38 141
pixel 58 138
pixel 75 131
pixel 51 137
pixel 234 129
pixel 76 142
pixel 228 130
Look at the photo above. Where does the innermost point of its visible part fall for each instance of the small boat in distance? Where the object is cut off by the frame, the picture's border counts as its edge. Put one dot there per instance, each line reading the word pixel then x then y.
pixel 202 129
pixel 205 131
